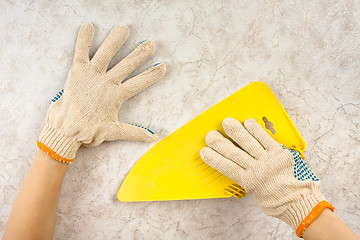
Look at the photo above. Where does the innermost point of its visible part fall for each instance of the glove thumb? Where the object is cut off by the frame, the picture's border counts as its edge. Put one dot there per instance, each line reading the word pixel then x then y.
pixel 128 131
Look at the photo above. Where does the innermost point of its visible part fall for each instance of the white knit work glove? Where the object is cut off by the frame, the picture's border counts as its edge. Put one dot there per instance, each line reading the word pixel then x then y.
pixel 277 178
pixel 86 111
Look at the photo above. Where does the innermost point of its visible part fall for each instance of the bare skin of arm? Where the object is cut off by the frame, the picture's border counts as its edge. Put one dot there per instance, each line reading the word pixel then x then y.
pixel 34 211
pixel 33 214
pixel 330 227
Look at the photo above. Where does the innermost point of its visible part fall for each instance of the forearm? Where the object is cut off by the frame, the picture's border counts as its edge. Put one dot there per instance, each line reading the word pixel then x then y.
pixel 330 227
pixel 85 112
pixel 34 211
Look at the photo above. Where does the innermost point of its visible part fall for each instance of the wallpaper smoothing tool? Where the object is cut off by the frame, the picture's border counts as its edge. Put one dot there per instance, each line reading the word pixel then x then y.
pixel 173 169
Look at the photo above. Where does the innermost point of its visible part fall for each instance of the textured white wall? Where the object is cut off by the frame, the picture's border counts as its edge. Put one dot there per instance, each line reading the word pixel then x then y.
pixel 308 53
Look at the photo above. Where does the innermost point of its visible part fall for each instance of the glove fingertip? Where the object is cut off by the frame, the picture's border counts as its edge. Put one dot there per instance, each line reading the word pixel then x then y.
pixel 231 125
pixel 148 135
pixel 88 29
pixel 146 46
pixel 250 121
pixel 152 138
pixel 212 136
pixel 229 122
pixel 87 25
pixel 204 152
pixel 162 68
pixel 121 30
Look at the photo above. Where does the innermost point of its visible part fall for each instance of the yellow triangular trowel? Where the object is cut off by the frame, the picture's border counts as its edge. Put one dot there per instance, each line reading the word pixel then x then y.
pixel 173 169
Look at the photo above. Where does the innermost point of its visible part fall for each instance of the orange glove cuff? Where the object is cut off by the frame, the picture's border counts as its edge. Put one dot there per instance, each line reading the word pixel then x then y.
pixel 317 210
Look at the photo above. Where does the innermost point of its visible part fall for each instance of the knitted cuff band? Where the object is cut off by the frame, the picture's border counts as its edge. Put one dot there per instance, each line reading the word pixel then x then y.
pixel 53 154
pixel 57 145
pixel 317 210
pixel 300 207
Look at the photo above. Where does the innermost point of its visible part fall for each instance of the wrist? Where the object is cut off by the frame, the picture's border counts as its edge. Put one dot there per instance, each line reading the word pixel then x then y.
pixel 53 167
pixel 313 215
pixel 328 226
pixel 56 144
pixel 299 208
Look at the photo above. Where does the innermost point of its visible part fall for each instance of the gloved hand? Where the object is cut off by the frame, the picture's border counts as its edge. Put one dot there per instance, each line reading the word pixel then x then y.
pixel 277 178
pixel 86 111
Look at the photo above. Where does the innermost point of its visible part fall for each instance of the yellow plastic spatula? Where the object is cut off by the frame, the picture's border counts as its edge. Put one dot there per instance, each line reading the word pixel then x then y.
pixel 173 169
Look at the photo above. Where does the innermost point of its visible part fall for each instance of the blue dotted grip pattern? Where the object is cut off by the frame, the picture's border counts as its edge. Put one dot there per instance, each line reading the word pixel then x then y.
pixel 301 169
pixel 58 96
pixel 142 127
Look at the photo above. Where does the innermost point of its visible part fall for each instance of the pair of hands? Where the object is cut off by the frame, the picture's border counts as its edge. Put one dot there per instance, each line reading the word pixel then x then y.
pixel 86 113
